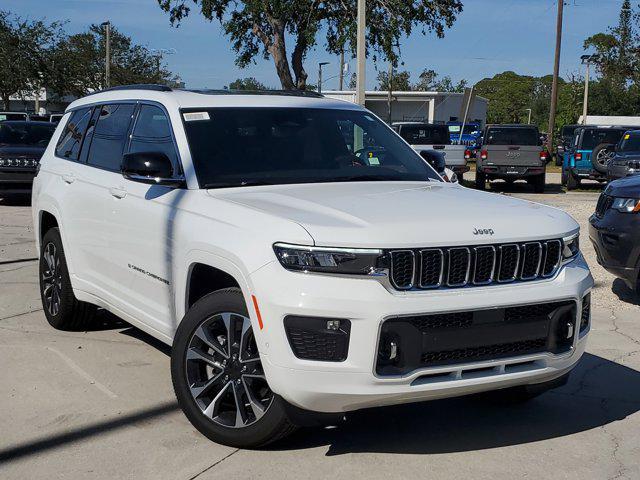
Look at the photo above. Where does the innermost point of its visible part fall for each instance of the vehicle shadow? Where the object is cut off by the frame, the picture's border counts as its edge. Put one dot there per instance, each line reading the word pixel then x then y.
pixel 598 393
pixel 624 293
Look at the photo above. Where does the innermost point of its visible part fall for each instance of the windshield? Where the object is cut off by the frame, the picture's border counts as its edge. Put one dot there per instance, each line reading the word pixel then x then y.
pixel 592 137
pixel 24 133
pixel 567 132
pixel 425 134
pixel 512 136
pixel 249 146
pixel 13 116
pixel 468 129
pixel 630 143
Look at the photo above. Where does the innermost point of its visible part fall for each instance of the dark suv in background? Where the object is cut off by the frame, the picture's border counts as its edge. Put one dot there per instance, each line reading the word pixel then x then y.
pixel 512 152
pixel 22 144
pixel 614 230
pixel 626 160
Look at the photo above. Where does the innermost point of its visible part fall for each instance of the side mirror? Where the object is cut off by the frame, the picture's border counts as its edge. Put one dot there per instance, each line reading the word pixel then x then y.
pixel 153 168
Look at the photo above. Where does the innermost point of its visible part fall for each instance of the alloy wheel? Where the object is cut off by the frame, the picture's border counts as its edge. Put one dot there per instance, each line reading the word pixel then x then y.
pixel 224 372
pixel 604 156
pixel 51 279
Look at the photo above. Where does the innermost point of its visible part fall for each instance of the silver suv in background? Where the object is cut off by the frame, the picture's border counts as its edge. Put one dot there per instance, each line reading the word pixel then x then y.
pixel 512 152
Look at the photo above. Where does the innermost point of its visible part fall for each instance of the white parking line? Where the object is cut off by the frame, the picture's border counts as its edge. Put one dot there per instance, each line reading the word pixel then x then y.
pixel 75 367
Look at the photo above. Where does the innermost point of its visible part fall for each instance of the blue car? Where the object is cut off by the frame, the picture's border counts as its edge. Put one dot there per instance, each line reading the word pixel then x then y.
pixel 470 135
pixel 588 156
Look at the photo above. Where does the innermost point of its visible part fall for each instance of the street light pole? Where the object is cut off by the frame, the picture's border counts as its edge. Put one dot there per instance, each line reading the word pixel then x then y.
pixel 361 52
pixel 341 78
pixel 320 65
pixel 107 49
pixel 586 60
pixel 556 73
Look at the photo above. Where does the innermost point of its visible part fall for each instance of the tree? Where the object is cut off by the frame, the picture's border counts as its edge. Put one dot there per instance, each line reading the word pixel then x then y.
pixel 509 95
pixel 79 63
pixel 247 83
pixel 399 81
pixel 429 81
pixel 25 55
pixel 261 27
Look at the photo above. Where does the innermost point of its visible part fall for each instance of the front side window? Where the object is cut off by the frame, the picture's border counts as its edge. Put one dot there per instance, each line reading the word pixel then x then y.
pixel 248 146
pixel 426 134
pixel 25 134
pixel 109 136
pixel 152 133
pixel 71 139
pixel 512 136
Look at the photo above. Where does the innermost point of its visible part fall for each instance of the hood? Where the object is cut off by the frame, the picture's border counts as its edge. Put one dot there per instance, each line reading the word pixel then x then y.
pixel 625 187
pixel 403 214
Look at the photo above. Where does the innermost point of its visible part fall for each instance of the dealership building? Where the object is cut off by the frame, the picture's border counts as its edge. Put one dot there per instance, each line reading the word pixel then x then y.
pixel 430 107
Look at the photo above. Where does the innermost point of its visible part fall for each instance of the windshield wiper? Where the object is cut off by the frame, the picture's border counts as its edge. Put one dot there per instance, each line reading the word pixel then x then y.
pixel 242 183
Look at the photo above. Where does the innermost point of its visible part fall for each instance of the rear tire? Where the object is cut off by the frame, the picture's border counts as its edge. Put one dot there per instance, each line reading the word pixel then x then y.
pixel 218 377
pixel 61 308
pixel 481 180
pixel 573 182
pixel 538 183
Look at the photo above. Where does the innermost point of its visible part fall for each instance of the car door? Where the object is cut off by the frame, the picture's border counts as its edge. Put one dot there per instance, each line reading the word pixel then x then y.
pixel 142 226
pixel 100 169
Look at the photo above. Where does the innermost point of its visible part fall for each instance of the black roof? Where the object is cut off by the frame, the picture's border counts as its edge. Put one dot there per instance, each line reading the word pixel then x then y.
pixel 163 88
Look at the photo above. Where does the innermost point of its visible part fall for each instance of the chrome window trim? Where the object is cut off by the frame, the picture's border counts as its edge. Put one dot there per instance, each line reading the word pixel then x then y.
pixel 441 277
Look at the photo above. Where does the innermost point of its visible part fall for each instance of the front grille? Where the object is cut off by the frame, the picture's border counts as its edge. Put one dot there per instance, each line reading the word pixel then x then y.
pixel 585 314
pixel 604 203
pixel 311 338
pixel 440 339
pixel 454 267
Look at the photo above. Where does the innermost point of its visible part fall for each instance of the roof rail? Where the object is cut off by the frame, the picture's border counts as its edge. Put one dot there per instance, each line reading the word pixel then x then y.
pixel 140 86
pixel 287 93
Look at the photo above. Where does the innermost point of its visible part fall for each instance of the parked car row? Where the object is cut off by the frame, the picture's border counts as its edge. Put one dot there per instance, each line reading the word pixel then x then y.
pixel 54 117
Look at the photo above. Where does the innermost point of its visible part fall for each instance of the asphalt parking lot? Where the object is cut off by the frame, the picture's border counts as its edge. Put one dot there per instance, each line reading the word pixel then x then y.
pixel 99 404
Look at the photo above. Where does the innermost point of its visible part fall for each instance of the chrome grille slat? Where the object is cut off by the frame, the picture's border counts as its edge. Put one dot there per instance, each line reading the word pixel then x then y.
pixel 481 265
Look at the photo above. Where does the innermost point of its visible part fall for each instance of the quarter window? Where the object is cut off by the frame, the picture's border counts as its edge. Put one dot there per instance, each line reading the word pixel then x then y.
pixel 152 133
pixel 109 136
pixel 71 139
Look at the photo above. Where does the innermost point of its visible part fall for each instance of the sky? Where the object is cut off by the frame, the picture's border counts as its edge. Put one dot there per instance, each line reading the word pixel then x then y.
pixel 488 37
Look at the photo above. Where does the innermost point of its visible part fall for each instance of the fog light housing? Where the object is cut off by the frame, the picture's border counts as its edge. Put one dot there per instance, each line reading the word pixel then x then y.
pixel 317 338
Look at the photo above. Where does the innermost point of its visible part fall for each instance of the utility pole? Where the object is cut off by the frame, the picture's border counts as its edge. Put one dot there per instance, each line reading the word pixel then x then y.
pixel 556 72
pixel 107 49
pixel 341 77
pixel 320 65
pixel 389 91
pixel 361 52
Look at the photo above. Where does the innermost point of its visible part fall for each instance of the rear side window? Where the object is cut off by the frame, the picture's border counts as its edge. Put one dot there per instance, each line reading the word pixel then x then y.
pixel 109 136
pixel 592 137
pixel 71 139
pixel 152 133
pixel 512 136
pixel 630 142
pixel 426 134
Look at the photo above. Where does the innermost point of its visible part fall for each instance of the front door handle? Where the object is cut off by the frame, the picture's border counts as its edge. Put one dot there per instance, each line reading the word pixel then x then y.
pixel 69 178
pixel 117 192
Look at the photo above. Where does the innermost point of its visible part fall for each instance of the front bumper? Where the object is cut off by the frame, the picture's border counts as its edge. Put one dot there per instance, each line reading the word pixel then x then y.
pixel 587 173
pixel 616 239
pixel 353 384
pixel 16 180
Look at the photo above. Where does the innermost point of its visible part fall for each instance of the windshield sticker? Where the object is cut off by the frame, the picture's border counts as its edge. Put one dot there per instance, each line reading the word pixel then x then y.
pixel 627 136
pixel 195 116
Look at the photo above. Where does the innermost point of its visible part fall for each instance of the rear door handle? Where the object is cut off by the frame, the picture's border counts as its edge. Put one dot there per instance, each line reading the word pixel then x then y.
pixel 117 192
pixel 69 178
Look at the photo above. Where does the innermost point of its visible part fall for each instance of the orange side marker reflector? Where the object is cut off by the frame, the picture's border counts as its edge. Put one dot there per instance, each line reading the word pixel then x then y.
pixel 255 305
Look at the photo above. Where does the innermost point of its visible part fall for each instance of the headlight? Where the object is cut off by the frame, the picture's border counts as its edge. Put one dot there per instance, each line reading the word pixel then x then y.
pixel 626 205
pixel 570 247
pixel 350 261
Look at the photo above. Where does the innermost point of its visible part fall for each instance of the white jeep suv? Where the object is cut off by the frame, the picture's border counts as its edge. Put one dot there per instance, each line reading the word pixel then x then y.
pixel 300 257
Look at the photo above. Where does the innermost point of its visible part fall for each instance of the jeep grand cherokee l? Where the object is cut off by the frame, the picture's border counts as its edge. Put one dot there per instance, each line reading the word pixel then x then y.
pixel 300 257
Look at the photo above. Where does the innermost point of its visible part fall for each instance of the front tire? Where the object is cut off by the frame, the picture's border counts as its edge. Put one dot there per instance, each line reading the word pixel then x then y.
pixel 61 308
pixel 538 183
pixel 481 180
pixel 218 377
pixel 573 182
